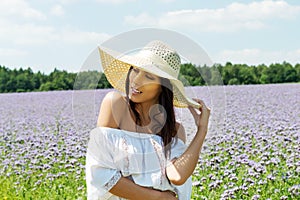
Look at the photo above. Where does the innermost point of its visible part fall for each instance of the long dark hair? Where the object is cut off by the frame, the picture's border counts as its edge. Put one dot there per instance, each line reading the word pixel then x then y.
pixel 168 131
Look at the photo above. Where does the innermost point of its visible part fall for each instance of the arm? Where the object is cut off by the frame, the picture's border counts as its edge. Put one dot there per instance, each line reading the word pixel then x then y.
pixel 114 102
pixel 183 167
pixel 127 189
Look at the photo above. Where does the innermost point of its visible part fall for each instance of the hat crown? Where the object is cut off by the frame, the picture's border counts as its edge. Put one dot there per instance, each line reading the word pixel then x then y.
pixel 165 52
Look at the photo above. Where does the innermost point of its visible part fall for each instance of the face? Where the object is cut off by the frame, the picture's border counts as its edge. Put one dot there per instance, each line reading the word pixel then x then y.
pixel 144 87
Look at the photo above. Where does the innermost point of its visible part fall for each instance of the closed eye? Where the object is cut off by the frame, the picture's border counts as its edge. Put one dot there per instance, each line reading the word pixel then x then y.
pixel 149 76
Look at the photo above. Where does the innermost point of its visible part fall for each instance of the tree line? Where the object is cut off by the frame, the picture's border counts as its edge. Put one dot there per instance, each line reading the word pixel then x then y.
pixel 241 74
pixel 25 80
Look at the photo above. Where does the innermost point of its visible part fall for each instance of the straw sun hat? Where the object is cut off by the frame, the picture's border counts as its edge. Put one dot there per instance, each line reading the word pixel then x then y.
pixel 156 58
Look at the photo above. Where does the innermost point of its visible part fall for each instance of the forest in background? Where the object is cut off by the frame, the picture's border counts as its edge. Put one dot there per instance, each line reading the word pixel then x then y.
pixel 25 80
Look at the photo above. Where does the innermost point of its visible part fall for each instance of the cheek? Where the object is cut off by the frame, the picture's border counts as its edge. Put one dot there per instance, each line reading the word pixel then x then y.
pixel 154 88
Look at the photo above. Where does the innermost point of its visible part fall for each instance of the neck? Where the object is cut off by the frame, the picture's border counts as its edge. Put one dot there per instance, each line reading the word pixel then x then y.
pixel 151 118
pixel 144 111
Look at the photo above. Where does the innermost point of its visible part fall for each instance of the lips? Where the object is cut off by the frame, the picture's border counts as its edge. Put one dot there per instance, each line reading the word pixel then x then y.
pixel 135 91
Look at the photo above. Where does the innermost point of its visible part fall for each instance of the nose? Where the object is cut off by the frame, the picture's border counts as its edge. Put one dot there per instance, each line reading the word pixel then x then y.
pixel 138 79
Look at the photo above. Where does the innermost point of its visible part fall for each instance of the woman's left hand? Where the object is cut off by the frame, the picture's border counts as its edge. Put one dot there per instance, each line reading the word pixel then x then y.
pixel 201 119
pixel 183 167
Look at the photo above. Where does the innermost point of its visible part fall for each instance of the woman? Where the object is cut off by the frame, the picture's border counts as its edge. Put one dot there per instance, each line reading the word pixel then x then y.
pixel 138 150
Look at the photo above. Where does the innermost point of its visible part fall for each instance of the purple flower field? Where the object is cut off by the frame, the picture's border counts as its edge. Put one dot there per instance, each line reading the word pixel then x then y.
pixel 254 154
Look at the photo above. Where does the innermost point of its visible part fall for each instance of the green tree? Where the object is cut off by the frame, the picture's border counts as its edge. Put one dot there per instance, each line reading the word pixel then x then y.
pixel 103 82
pixel 228 73
pixel 206 75
pixel 48 86
pixel 216 77
pixel 297 68
pixel 290 73
pixel 246 75
pixel 189 75
pixel 4 78
pixel 233 81
pixel 23 80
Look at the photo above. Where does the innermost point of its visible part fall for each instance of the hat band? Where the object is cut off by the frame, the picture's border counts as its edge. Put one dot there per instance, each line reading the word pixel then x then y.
pixel 159 62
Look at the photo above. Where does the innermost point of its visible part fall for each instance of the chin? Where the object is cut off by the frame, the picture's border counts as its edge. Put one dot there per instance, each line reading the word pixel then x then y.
pixel 133 99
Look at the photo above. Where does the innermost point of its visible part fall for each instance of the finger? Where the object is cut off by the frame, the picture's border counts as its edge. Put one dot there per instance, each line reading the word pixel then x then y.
pixel 197 100
pixel 201 102
pixel 173 193
pixel 193 111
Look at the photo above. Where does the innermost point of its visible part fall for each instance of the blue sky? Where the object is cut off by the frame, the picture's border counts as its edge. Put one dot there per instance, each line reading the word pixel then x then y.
pixel 62 33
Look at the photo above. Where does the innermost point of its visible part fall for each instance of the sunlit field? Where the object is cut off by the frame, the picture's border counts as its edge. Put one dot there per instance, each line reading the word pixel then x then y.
pixel 255 156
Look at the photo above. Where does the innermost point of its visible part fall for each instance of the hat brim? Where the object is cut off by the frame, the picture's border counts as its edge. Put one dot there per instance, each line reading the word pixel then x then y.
pixel 116 66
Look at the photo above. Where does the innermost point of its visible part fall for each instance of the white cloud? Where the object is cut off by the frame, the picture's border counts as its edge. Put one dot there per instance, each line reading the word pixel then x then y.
pixel 25 34
pixel 19 8
pixel 257 56
pixel 235 16
pixel 70 36
pixel 68 1
pixel 166 1
pixel 46 46
pixel 142 19
pixel 294 56
pixel 9 52
pixel 57 10
pixel 28 34
pixel 114 1
pixel 16 32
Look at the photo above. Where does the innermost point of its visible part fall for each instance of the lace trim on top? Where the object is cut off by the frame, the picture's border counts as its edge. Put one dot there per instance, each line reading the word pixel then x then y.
pixel 126 159
pixel 112 181
pixel 160 154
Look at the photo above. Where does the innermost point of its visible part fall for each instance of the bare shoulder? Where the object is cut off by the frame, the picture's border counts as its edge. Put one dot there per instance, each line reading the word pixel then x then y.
pixel 113 104
pixel 180 132
pixel 114 97
pixel 113 101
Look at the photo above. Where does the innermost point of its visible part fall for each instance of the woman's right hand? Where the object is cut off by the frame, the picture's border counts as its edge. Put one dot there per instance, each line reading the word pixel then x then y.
pixel 168 195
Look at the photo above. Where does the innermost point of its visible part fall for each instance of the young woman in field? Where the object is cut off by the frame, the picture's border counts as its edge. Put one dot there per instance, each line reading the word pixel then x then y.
pixel 138 150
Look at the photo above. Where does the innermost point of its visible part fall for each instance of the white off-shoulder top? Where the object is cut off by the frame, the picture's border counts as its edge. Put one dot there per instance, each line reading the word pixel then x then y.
pixel 113 153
